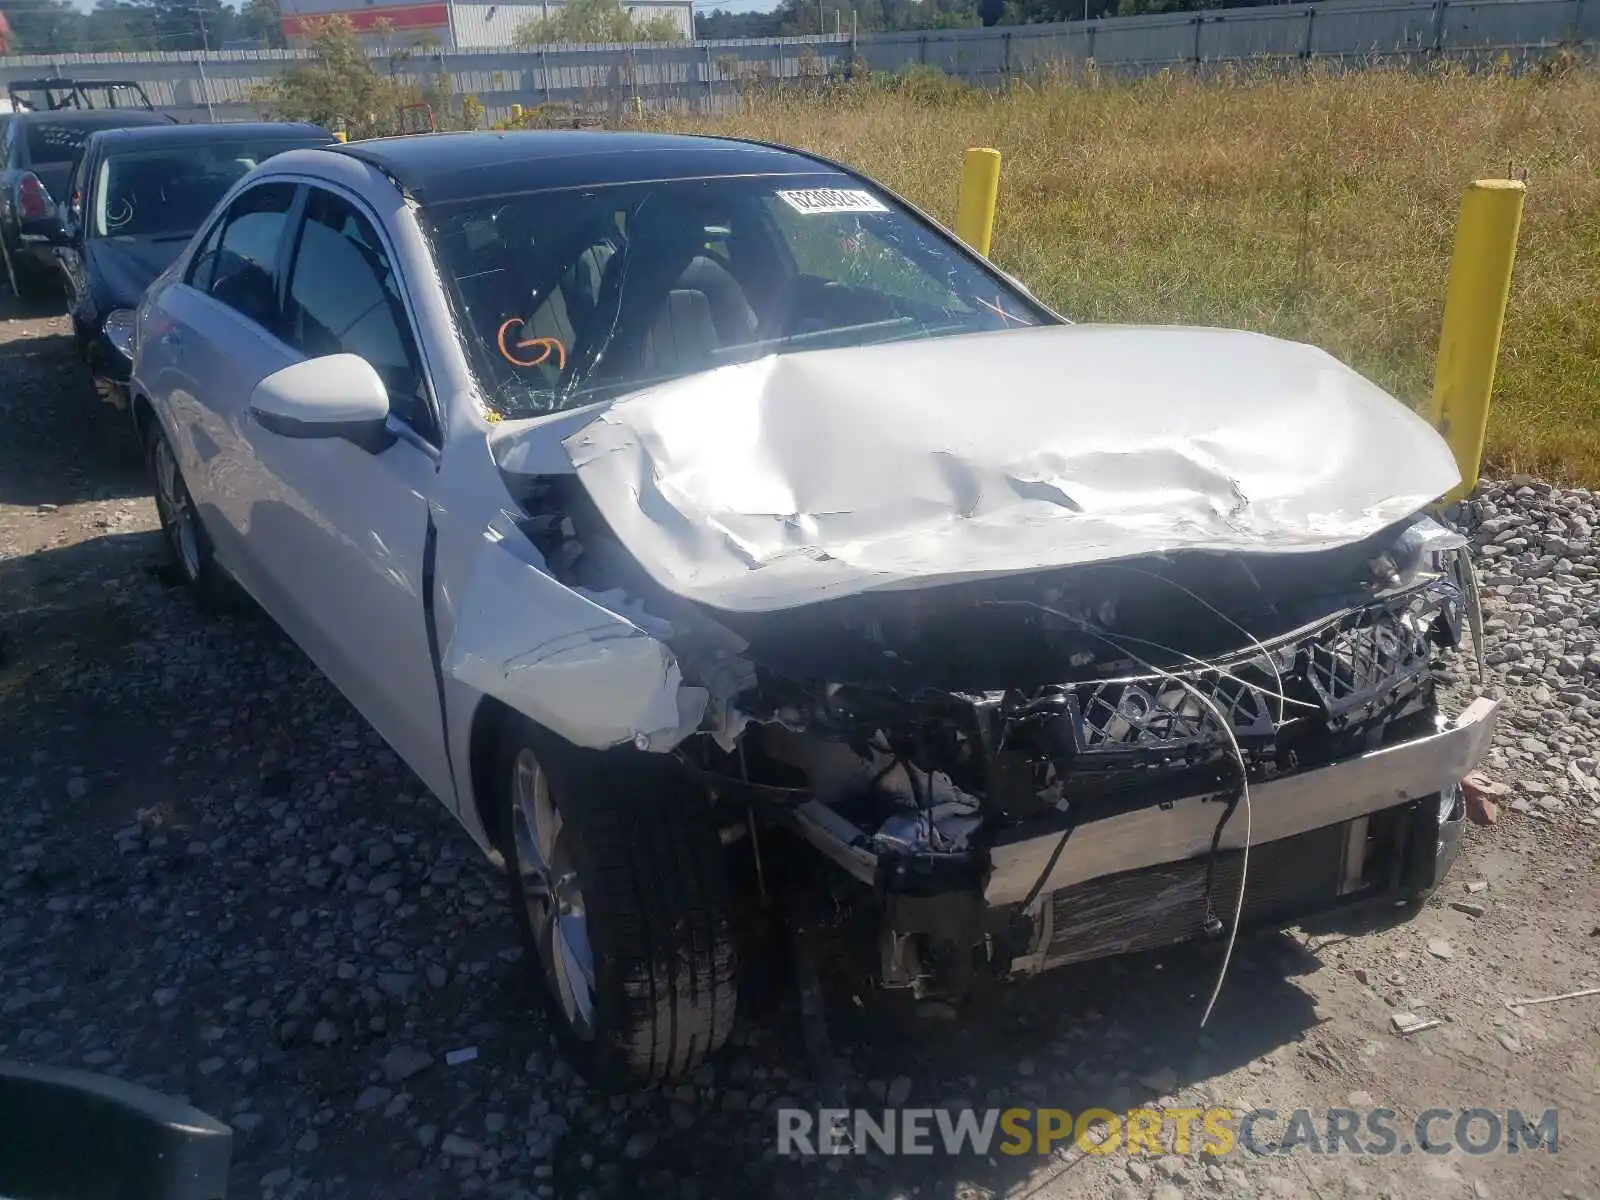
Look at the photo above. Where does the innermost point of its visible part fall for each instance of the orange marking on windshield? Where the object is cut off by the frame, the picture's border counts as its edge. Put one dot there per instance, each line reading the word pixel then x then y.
pixel 548 345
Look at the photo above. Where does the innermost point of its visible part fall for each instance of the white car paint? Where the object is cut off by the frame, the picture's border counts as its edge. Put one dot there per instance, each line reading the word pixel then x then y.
pixel 809 476
pixel 334 540
pixel 327 537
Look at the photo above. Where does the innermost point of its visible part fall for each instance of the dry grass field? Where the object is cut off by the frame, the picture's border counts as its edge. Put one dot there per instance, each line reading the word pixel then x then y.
pixel 1316 206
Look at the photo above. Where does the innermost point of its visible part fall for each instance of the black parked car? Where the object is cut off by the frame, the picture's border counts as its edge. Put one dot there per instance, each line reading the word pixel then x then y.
pixel 135 198
pixel 36 154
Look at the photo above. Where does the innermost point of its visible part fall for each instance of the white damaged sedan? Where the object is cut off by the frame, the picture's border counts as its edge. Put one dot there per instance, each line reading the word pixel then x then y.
pixel 713 532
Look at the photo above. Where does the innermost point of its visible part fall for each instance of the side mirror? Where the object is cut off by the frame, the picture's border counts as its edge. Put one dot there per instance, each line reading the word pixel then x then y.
pixel 336 396
pixel 75 1133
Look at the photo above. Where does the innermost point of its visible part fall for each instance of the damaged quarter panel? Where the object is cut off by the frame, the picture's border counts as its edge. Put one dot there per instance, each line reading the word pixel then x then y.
pixel 576 667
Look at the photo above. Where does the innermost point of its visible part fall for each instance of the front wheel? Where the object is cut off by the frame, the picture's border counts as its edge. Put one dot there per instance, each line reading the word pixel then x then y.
pixel 616 877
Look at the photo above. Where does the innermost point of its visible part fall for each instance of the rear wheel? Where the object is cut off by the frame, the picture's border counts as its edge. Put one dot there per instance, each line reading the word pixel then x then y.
pixel 180 523
pixel 616 877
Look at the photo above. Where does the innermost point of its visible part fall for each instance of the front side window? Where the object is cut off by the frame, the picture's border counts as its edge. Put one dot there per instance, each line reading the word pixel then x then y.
pixel 567 297
pixel 242 272
pixel 344 297
pixel 165 194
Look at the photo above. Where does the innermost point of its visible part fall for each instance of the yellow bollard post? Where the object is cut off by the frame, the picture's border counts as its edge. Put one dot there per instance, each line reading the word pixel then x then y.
pixel 980 188
pixel 1474 312
pixel 516 112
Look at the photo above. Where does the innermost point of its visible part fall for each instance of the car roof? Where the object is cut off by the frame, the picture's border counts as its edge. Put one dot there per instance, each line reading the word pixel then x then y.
pixel 163 135
pixel 105 118
pixel 444 167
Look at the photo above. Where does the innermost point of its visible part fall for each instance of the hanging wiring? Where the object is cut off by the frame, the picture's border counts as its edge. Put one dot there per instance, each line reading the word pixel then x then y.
pixel 1244 788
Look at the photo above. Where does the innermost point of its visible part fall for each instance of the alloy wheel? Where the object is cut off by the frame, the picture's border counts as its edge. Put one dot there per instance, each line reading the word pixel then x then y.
pixel 176 511
pixel 551 891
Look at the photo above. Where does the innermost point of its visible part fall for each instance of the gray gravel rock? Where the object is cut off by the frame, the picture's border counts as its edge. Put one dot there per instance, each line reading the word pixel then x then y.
pixel 284 921
pixel 402 1062
pixel 372 1097
pixel 456 1146
pixel 640 1144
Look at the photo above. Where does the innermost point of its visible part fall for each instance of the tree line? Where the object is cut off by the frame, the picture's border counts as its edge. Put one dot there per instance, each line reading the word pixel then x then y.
pixel 798 18
pixel 56 27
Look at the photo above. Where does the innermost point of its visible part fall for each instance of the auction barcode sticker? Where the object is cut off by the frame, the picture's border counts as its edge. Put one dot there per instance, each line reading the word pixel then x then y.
pixel 832 200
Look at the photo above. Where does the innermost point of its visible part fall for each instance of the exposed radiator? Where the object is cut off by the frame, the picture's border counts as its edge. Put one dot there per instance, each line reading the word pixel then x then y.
pixel 1161 906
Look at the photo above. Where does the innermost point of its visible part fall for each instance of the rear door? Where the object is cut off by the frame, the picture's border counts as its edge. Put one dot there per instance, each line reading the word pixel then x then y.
pixel 208 340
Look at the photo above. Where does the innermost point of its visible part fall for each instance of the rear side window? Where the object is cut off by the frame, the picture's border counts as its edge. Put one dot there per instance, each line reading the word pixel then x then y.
pixel 240 267
pixel 52 143
pixel 58 141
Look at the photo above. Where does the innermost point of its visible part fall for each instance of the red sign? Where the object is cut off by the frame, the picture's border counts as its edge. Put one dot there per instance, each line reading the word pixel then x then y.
pixel 402 16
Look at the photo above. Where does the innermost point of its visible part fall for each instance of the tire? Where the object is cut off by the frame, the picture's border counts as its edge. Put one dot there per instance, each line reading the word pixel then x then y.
pixel 24 277
pixel 17 278
pixel 185 536
pixel 637 963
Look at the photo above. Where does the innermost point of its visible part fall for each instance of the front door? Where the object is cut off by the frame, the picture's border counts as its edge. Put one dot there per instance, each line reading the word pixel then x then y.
pixel 338 531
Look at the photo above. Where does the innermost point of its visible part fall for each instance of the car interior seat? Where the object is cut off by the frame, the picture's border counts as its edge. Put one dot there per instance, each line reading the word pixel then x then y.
pixel 704 311
pixel 674 304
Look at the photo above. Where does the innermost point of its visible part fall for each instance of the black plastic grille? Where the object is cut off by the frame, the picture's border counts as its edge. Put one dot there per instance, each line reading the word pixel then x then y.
pixel 1365 657
pixel 1353 667
pixel 1160 714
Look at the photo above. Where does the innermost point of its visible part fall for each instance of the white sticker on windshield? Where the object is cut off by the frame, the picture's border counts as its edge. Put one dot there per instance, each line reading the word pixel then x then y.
pixel 832 200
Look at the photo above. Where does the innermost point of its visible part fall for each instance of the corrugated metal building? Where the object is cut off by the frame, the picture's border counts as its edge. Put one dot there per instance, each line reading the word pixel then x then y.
pixel 451 24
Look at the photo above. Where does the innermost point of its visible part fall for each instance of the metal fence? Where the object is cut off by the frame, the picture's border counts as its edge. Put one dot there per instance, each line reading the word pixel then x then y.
pixel 708 74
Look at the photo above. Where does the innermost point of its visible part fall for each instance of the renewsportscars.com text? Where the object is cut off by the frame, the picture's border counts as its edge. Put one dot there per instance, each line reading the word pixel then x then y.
pixel 1158 1131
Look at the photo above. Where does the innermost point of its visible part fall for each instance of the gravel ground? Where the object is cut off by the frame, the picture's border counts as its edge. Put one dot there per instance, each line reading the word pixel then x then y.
pixel 217 881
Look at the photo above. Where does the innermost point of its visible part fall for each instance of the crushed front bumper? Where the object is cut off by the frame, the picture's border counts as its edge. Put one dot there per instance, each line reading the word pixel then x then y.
pixel 1378 828
pixel 1280 808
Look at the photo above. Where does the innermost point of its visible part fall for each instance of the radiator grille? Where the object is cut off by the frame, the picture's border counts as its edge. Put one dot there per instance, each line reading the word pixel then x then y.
pixel 1352 667
pixel 1363 656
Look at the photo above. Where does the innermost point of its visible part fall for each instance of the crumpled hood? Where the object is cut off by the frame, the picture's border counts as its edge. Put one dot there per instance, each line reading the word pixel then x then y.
pixel 802 477
pixel 122 268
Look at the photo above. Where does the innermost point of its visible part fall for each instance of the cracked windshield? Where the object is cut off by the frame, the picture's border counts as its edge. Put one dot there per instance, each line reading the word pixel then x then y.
pixel 570 297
